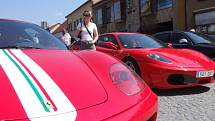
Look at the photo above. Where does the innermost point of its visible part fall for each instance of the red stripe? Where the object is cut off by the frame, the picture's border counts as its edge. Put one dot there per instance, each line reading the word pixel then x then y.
pixel 37 82
pixel 10 105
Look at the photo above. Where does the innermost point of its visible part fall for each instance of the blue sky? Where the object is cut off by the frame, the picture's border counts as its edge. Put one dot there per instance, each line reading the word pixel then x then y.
pixel 35 11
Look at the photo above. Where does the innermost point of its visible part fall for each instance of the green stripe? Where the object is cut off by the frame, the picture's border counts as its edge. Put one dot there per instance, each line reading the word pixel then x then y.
pixel 29 81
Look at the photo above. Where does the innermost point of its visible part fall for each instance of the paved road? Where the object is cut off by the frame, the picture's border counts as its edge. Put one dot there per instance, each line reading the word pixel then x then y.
pixel 189 104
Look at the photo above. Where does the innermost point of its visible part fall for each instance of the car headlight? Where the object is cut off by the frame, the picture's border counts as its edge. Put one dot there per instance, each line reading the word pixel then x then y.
pixel 125 80
pixel 159 58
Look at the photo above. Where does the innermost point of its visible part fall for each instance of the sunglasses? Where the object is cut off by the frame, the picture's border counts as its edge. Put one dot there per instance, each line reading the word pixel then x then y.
pixel 87 15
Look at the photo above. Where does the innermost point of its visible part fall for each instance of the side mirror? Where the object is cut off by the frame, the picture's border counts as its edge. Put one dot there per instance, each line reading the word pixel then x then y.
pixel 110 45
pixel 183 41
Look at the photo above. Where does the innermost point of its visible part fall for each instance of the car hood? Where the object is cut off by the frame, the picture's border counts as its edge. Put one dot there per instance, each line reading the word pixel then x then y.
pixel 40 83
pixel 180 57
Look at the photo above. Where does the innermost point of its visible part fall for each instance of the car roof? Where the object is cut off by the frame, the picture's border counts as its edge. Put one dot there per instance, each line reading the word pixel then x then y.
pixel 118 33
pixel 177 31
pixel 13 20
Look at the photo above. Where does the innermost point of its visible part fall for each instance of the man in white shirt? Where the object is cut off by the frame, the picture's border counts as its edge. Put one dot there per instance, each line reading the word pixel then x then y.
pixel 67 39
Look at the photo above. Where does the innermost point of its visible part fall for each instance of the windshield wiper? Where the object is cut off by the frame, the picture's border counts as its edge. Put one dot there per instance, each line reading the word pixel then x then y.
pixel 136 47
pixel 19 47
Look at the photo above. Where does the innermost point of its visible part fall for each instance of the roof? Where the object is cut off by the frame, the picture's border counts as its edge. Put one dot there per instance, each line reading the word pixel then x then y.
pixel 78 8
pixel 97 2
pixel 53 26
pixel 61 27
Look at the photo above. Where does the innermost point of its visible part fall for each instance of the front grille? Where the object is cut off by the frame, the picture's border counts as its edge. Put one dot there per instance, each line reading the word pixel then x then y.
pixel 181 79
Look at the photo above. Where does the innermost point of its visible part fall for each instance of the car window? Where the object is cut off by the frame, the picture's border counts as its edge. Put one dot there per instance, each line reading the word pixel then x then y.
pixel 140 41
pixel 100 41
pixel 199 38
pixel 176 37
pixel 33 34
pixel 111 38
pixel 106 38
pixel 59 35
pixel 165 37
pixel 20 34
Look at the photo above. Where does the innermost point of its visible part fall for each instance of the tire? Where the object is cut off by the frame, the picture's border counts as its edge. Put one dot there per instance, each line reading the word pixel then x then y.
pixel 132 64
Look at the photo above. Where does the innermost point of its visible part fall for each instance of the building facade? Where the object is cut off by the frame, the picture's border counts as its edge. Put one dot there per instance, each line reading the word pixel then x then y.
pixel 201 15
pixel 155 15
pixel 132 15
pixel 110 15
pixel 147 16
pixel 75 17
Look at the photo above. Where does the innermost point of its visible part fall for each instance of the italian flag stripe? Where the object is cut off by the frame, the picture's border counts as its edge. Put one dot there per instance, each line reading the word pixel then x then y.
pixel 28 80
pixel 47 97
pixel 48 89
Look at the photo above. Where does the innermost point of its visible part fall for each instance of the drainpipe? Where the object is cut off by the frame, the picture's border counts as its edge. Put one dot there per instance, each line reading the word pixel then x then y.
pixel 185 15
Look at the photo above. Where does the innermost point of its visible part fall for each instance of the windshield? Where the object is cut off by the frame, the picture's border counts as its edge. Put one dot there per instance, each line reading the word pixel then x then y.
pixel 139 41
pixel 24 35
pixel 199 38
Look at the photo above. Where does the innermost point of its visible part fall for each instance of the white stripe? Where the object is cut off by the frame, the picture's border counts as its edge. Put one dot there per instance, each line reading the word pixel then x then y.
pixel 54 117
pixel 25 93
pixel 60 100
pixel 34 83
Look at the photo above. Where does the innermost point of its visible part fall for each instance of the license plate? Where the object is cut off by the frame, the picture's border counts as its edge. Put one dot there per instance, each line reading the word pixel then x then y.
pixel 200 74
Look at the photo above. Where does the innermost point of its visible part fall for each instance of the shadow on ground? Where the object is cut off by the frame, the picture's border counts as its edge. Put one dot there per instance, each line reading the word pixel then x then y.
pixel 181 91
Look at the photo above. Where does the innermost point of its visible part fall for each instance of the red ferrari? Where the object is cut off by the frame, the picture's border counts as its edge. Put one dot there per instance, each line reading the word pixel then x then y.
pixel 159 65
pixel 41 80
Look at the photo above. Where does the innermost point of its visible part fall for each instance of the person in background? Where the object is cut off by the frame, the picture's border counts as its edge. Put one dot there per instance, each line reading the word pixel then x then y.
pixel 66 38
pixel 88 32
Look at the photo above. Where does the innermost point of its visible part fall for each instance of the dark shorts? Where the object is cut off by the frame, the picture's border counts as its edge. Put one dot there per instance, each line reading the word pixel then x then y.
pixel 87 46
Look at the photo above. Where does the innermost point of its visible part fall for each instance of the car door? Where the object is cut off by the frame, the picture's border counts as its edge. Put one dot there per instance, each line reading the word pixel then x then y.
pixel 164 37
pixel 107 38
pixel 202 44
pixel 180 40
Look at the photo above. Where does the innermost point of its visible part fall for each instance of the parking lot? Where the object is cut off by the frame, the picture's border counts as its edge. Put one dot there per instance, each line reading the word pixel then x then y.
pixel 189 104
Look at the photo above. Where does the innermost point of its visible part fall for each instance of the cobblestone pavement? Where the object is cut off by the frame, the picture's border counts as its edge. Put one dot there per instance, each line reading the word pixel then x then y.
pixel 189 104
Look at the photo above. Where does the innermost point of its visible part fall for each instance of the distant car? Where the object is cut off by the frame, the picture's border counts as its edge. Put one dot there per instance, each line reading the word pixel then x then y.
pixel 42 80
pixel 158 65
pixel 190 40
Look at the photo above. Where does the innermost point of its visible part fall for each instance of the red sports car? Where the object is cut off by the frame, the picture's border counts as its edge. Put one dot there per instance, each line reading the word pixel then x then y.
pixel 159 65
pixel 42 80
